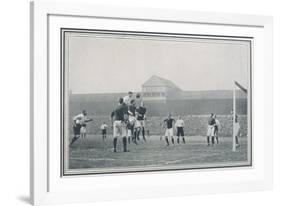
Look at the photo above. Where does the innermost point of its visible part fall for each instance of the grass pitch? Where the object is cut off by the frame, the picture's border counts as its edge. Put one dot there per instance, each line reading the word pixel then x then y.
pixel 95 153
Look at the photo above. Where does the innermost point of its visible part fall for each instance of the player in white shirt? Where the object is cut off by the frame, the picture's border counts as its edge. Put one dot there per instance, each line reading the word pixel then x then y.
pixel 180 132
pixel 127 99
pixel 103 128
pixel 79 126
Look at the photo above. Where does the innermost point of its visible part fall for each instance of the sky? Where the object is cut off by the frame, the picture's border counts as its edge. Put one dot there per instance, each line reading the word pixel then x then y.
pixel 99 63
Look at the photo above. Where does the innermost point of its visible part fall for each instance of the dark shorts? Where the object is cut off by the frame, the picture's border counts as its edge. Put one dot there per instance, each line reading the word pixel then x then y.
pixel 180 131
pixel 216 130
pixel 76 129
pixel 103 131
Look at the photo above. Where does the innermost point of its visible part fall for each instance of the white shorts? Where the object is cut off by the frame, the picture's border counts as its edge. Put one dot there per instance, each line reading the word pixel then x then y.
pixel 119 129
pixel 129 133
pixel 142 123
pixel 236 128
pixel 210 131
pixel 132 120
pixel 169 132
pixel 83 130
pixel 137 124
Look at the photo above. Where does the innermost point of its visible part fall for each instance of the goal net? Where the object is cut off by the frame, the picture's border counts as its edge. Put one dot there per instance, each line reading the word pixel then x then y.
pixel 239 92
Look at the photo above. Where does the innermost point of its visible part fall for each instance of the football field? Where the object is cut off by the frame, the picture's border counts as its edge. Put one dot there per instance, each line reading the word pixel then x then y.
pixel 95 153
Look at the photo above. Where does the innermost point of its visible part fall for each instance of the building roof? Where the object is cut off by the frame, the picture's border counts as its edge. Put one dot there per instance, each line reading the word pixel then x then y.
pixel 160 82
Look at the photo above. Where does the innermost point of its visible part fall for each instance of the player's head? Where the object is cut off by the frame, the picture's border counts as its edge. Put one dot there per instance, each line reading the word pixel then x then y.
pixel 211 115
pixel 138 95
pixel 130 94
pixel 142 104
pixel 133 102
pixel 84 112
pixel 179 117
pixel 121 100
pixel 169 116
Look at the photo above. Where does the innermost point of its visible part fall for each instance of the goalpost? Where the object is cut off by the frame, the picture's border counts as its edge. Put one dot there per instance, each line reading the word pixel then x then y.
pixel 237 87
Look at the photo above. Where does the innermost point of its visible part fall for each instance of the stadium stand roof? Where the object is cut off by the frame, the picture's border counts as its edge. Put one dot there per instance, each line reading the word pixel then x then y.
pixel 159 81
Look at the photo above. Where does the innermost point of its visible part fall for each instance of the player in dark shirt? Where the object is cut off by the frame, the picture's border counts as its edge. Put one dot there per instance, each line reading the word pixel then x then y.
pixel 169 126
pixel 141 110
pixel 120 116
pixel 211 129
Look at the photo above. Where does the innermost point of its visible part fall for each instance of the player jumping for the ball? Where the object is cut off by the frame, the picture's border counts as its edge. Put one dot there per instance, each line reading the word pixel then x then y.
pixel 169 126
pixel 127 99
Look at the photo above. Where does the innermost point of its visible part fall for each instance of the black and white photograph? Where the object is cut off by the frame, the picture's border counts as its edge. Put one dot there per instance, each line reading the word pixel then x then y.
pixel 144 102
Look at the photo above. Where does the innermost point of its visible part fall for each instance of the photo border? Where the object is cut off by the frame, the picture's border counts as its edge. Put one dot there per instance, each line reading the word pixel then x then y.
pixel 217 165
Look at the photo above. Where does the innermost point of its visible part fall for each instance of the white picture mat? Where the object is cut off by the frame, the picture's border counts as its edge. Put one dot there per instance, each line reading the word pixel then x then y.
pixel 125 186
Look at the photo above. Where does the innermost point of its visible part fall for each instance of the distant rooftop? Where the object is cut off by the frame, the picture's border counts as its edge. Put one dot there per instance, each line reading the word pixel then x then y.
pixel 159 81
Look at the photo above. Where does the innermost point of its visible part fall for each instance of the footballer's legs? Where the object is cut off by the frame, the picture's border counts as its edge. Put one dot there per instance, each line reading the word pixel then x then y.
pixel 138 134
pixel 236 141
pixel 124 132
pixel 135 136
pixel 173 141
pixel 167 140
pixel 182 134
pixel 208 140
pixel 76 137
pixel 76 130
pixel 217 135
pixel 125 144
pixel 115 144
pixel 143 133
pixel 178 135
pixel 116 133
pixel 213 140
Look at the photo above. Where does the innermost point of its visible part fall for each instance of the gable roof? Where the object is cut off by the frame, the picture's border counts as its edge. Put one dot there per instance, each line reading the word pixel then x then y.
pixel 159 81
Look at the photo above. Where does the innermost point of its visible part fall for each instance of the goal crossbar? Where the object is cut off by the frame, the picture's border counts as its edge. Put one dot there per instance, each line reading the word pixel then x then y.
pixel 240 87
